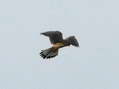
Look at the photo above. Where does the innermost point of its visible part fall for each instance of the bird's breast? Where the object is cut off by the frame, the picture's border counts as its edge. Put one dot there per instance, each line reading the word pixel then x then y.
pixel 58 45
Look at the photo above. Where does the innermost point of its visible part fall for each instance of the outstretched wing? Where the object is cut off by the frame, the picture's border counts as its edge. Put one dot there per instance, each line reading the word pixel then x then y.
pixel 54 36
pixel 72 40
pixel 49 53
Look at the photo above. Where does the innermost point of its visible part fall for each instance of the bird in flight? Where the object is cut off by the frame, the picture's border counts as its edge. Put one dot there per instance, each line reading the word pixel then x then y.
pixel 56 39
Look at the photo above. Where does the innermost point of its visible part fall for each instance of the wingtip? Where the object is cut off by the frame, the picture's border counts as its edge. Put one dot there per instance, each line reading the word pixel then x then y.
pixel 41 33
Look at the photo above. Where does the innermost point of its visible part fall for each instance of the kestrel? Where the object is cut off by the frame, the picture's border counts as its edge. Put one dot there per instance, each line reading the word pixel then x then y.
pixel 58 42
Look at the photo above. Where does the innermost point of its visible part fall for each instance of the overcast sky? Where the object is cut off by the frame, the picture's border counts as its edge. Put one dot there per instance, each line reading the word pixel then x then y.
pixel 95 65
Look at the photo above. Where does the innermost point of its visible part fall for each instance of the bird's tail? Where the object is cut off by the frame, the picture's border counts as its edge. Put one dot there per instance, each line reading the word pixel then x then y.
pixel 49 53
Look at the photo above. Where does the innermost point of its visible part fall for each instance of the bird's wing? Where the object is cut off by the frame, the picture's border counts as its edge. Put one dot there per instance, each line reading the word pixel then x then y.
pixel 49 53
pixel 54 36
pixel 72 40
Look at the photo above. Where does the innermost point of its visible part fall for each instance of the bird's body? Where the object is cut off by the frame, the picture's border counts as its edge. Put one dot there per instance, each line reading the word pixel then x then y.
pixel 58 45
pixel 58 42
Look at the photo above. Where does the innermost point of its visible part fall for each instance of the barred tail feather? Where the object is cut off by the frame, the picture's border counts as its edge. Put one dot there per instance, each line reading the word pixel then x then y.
pixel 72 40
pixel 48 53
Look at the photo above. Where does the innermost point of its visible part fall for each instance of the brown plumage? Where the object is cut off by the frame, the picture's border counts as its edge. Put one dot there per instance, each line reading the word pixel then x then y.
pixel 58 42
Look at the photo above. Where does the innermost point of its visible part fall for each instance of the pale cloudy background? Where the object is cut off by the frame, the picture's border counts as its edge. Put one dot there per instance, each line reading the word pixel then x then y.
pixel 95 65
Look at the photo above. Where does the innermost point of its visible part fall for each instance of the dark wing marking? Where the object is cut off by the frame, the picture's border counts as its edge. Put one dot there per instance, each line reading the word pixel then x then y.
pixel 54 36
pixel 48 53
pixel 72 40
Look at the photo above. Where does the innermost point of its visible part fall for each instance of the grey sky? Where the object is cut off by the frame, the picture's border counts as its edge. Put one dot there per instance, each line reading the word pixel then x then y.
pixel 92 66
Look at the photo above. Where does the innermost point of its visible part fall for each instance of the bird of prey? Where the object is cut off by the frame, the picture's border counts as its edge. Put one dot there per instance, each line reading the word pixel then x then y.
pixel 56 39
